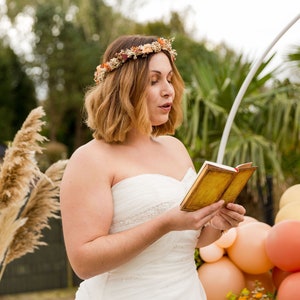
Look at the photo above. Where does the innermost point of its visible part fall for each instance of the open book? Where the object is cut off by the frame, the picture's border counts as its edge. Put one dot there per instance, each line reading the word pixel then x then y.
pixel 215 182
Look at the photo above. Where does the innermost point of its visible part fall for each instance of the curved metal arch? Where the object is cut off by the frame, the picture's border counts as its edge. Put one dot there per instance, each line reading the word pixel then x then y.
pixel 244 87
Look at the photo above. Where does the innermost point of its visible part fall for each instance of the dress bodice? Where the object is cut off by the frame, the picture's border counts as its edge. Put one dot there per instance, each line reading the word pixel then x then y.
pixel 145 196
pixel 166 269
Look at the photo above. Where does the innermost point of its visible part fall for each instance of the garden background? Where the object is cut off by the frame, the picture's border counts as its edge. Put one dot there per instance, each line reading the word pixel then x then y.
pixel 67 40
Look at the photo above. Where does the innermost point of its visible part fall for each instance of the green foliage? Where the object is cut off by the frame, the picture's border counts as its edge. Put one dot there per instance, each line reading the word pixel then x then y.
pixel 197 258
pixel 258 293
pixel 17 95
pixel 265 127
pixel 70 39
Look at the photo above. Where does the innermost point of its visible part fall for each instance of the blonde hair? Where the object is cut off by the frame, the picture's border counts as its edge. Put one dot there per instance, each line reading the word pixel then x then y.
pixel 118 104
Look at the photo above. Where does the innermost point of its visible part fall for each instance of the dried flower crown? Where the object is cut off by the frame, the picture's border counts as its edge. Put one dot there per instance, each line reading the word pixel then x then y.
pixel 133 53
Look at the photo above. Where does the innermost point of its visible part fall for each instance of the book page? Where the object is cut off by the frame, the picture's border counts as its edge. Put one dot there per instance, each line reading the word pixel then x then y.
pixel 244 166
pixel 217 165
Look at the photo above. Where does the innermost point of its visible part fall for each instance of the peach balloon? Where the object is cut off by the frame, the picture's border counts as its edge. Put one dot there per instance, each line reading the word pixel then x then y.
pixel 248 219
pixel 289 287
pixel 221 277
pixel 265 280
pixel 248 251
pixel 211 252
pixel 278 276
pixel 290 211
pixel 227 239
pixel 283 245
pixel 291 194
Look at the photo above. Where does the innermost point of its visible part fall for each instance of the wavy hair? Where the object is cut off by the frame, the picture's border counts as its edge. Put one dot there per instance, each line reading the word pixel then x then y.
pixel 118 104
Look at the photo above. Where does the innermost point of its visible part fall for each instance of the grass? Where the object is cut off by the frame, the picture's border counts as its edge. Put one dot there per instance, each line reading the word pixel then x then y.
pixel 61 294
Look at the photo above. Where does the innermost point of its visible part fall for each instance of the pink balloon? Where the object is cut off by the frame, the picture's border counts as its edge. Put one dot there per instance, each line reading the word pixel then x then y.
pixel 278 276
pixel 221 277
pixel 283 245
pixel 248 251
pixel 211 252
pixel 289 287
pixel 227 239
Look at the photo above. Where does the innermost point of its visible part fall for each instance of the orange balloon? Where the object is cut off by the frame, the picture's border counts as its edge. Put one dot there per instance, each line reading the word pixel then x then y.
pixel 265 279
pixel 227 239
pixel 291 194
pixel 289 287
pixel 291 211
pixel 283 245
pixel 221 277
pixel 278 276
pixel 248 251
pixel 211 252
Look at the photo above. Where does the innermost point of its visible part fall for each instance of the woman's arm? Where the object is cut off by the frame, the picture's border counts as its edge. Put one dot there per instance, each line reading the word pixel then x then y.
pixel 87 211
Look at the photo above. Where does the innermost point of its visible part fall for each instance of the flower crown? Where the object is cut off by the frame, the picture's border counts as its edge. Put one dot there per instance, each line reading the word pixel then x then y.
pixel 133 53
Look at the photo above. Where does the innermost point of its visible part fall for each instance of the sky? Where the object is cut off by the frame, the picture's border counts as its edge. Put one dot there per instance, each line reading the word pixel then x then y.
pixel 249 27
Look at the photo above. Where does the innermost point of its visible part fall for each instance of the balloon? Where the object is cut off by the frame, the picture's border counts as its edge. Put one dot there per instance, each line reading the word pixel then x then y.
pixel 290 195
pixel 248 251
pixel 221 277
pixel 211 252
pixel 248 219
pixel 289 287
pixel 227 239
pixel 265 279
pixel 291 211
pixel 283 245
pixel 278 276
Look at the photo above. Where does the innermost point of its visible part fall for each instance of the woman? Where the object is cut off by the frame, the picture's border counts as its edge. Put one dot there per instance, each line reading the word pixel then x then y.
pixel 124 231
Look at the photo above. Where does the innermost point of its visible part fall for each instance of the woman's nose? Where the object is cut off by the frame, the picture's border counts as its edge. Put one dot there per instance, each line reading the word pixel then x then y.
pixel 167 90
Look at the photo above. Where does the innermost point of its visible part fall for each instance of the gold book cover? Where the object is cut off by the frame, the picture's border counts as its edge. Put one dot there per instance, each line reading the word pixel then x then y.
pixel 215 182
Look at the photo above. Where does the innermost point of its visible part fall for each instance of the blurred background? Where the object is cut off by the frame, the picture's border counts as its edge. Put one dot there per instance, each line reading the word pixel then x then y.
pixel 48 54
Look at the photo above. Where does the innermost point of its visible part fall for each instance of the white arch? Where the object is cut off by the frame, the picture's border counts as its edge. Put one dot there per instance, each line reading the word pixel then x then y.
pixel 244 87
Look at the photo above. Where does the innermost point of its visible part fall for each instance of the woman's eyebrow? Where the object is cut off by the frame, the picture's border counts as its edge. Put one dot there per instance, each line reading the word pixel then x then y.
pixel 159 72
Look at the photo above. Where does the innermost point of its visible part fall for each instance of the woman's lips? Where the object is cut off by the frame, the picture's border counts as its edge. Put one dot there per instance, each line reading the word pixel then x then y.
pixel 166 107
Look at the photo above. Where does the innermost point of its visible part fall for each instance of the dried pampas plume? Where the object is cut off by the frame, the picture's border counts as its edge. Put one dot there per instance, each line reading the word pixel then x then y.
pixel 19 167
pixel 28 198
pixel 41 205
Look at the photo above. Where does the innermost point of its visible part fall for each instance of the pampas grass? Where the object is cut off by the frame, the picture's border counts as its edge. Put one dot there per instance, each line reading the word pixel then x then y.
pixel 41 205
pixel 19 166
pixel 28 198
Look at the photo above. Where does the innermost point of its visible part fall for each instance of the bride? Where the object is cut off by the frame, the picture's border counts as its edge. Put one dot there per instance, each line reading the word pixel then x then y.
pixel 124 232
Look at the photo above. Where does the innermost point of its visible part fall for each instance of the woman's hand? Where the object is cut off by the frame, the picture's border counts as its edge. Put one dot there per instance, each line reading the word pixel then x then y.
pixel 228 216
pixel 176 219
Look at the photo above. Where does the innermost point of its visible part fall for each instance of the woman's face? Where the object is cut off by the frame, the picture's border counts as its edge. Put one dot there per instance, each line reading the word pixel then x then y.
pixel 160 92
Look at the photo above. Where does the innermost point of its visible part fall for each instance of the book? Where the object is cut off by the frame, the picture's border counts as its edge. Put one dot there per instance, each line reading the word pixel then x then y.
pixel 215 182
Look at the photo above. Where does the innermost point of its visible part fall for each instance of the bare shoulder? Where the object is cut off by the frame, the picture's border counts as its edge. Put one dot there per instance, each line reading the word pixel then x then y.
pixel 177 148
pixel 171 141
pixel 91 159
pixel 89 150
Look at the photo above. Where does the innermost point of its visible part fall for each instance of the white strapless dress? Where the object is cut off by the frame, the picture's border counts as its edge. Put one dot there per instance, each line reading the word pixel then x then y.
pixel 165 270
